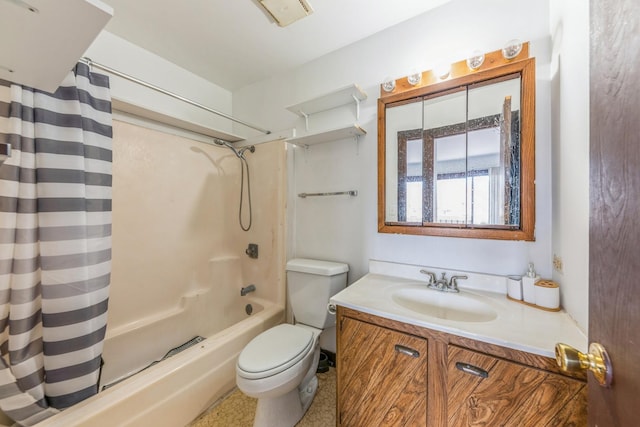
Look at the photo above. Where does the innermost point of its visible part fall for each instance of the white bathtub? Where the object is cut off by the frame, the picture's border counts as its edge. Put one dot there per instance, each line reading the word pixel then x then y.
pixel 175 391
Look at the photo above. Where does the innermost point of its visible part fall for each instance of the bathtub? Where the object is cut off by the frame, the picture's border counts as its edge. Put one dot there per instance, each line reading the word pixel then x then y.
pixel 176 390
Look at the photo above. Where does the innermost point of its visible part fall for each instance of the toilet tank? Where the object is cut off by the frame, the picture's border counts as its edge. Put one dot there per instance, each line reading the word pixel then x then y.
pixel 310 285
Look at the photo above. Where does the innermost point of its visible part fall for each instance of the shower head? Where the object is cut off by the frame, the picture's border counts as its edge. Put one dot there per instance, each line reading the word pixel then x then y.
pixel 239 153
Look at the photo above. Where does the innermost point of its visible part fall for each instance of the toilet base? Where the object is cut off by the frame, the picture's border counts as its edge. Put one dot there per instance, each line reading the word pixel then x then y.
pixel 285 410
pixel 308 393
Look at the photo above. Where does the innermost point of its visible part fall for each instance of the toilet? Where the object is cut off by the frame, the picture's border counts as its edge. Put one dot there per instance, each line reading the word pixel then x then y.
pixel 278 367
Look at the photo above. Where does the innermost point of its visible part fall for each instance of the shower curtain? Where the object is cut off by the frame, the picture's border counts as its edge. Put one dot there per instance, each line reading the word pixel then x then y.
pixel 55 243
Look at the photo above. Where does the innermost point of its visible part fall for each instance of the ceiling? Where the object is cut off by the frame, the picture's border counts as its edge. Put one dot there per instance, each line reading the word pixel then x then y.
pixel 234 43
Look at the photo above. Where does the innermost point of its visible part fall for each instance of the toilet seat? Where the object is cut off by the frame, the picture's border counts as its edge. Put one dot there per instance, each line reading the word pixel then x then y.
pixel 274 351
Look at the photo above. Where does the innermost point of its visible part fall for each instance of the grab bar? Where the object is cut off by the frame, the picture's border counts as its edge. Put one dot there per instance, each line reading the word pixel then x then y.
pixel 335 193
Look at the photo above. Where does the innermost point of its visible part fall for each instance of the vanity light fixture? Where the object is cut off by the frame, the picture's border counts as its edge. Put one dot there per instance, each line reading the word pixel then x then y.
pixel 512 49
pixel 443 71
pixel 389 84
pixel 475 60
pixel 414 77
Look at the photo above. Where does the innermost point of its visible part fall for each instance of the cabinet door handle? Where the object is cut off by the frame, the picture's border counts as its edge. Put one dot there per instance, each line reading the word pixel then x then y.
pixel 406 350
pixel 473 370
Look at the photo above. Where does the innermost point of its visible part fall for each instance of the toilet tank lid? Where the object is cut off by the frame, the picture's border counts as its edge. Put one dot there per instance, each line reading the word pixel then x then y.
pixel 314 266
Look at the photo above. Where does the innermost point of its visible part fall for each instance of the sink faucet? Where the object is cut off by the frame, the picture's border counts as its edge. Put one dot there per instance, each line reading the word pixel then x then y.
pixel 442 284
pixel 244 291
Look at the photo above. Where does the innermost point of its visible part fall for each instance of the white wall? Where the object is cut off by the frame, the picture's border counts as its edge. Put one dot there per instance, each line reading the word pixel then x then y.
pixel 345 229
pixel 569 21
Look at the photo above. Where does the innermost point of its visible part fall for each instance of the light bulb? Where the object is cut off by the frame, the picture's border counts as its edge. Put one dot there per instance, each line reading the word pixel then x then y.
pixel 442 70
pixel 475 60
pixel 512 49
pixel 389 84
pixel 414 77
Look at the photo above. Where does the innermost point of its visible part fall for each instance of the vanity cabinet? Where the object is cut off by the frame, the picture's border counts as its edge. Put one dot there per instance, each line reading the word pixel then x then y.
pixel 486 390
pixel 449 381
pixel 382 376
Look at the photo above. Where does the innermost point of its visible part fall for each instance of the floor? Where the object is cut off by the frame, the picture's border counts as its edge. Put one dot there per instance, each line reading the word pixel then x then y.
pixel 237 410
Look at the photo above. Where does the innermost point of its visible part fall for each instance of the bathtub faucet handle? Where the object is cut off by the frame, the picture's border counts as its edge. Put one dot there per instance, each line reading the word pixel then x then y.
pixel 245 290
pixel 252 250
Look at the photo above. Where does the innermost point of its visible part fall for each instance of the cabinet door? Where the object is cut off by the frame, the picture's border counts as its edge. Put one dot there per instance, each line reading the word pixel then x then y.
pixel 382 376
pixel 485 391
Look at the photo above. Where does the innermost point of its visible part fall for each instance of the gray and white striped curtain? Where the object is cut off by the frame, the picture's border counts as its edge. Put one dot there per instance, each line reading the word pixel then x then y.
pixel 55 243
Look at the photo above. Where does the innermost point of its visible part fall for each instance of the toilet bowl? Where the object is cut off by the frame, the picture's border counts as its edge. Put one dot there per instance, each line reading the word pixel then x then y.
pixel 278 367
pixel 276 359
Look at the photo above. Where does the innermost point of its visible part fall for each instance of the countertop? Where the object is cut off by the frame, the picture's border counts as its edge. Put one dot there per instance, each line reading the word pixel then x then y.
pixel 516 326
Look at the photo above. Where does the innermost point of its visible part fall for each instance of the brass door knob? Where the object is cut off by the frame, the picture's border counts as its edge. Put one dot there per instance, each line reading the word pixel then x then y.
pixel 597 361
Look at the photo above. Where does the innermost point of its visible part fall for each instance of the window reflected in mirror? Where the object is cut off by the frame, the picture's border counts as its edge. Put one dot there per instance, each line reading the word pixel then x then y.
pixel 461 165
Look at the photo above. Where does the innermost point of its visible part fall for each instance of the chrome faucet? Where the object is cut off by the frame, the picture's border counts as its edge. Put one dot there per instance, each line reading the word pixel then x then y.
pixel 244 291
pixel 442 284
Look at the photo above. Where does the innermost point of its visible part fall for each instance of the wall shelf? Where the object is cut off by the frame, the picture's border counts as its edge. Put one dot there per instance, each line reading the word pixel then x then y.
pixel 343 96
pixel 337 98
pixel 328 135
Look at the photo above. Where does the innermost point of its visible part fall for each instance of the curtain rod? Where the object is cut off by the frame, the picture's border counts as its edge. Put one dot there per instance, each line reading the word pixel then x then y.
pixel 91 63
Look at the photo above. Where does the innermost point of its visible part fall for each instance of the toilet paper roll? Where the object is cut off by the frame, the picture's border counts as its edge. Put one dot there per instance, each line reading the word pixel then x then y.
pixel 514 287
pixel 547 294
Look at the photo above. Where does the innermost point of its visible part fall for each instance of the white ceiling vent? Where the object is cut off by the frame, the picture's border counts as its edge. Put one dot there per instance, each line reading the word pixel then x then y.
pixel 287 11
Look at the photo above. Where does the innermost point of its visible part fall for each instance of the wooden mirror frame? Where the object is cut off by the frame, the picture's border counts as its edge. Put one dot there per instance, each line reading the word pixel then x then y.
pixel 494 66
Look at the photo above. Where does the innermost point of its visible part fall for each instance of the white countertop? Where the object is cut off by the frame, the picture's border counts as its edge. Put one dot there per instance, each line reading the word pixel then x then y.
pixel 516 326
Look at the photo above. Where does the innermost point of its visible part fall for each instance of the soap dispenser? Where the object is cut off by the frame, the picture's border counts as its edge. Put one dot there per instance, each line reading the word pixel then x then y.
pixel 528 285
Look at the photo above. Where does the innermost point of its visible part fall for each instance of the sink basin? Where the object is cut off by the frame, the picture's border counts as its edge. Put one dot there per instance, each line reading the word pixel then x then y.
pixel 460 307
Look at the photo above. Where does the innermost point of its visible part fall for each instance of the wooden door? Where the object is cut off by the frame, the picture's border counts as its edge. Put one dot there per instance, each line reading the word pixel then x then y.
pixel 614 231
pixel 382 376
pixel 483 390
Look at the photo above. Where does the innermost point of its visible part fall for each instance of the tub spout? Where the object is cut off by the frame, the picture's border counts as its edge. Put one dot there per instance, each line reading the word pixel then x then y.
pixel 244 291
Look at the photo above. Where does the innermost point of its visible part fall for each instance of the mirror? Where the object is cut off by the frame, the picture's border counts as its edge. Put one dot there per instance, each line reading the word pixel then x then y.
pixel 456 157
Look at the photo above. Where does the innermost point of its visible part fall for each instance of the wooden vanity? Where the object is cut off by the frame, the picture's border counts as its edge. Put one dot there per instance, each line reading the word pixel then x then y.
pixel 408 355
pixel 392 373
